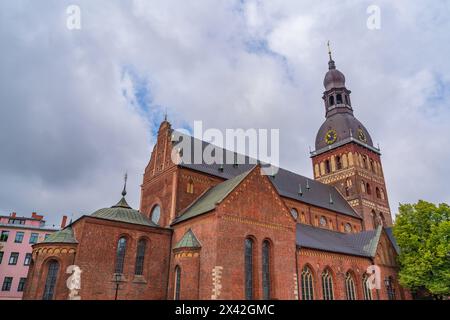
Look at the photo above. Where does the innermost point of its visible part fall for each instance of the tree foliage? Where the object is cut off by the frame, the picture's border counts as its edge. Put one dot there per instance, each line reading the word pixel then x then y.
pixel 422 232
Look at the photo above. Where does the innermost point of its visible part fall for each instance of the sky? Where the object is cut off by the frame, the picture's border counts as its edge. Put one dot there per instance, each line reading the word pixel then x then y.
pixel 80 107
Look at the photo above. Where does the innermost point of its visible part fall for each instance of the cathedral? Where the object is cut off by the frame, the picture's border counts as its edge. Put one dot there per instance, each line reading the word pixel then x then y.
pixel 225 231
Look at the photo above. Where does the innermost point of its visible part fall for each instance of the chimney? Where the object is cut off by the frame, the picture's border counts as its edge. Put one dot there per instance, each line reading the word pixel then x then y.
pixel 63 222
pixel 36 216
pixel 13 215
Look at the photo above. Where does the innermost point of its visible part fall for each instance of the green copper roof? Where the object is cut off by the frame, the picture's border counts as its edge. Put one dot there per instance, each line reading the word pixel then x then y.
pixel 64 236
pixel 189 240
pixel 211 198
pixel 124 213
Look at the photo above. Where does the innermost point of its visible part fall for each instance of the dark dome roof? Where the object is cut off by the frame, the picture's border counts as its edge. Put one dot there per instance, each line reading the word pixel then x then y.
pixel 334 79
pixel 342 123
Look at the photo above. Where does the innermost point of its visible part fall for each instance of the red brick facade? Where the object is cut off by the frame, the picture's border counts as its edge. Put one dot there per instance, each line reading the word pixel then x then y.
pixel 216 269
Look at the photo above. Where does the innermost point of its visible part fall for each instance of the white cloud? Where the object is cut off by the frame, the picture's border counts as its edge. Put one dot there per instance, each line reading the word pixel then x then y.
pixel 68 132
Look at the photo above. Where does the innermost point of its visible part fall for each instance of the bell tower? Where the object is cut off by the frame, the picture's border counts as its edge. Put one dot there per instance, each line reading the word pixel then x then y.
pixel 345 157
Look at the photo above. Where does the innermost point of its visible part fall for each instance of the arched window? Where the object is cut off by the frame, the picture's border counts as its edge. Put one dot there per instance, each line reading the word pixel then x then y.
pixel 350 286
pixel 348 228
pixel 190 186
pixel 382 194
pixel 366 288
pixel 327 166
pixel 120 255
pixel 294 213
pixel 377 192
pixel 307 284
pixel 339 98
pixel 364 162
pixel 155 214
pixel 338 163
pixel 368 188
pixel 363 187
pixel 347 101
pixel 323 221
pixel 140 257
pixel 390 288
pixel 248 269
pixel 50 281
pixel 176 291
pixel 266 270
pixel 327 285
pixel 372 166
pixel 331 101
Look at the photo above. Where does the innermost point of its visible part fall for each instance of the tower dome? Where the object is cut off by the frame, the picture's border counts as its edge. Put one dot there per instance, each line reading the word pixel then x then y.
pixel 340 125
pixel 333 78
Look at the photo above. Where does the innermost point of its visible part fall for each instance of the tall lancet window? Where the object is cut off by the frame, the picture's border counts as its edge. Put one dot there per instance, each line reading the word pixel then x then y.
pixel 350 287
pixel 327 285
pixel 140 257
pixel 120 255
pixel 366 289
pixel 266 270
pixel 50 281
pixel 248 269
pixel 307 284
pixel 176 294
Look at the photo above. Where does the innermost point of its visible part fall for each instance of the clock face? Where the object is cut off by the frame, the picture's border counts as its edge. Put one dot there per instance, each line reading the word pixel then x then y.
pixel 362 135
pixel 330 136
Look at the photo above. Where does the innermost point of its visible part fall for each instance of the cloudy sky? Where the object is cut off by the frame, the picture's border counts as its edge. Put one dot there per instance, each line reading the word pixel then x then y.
pixel 80 107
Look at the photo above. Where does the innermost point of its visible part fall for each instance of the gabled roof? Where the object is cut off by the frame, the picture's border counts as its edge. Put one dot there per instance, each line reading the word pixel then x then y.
pixel 189 240
pixel 124 213
pixel 64 236
pixel 211 198
pixel 286 182
pixel 359 244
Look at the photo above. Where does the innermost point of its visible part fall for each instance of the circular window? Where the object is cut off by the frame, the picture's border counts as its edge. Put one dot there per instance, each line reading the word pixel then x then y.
pixel 156 214
pixel 323 221
pixel 294 213
pixel 348 227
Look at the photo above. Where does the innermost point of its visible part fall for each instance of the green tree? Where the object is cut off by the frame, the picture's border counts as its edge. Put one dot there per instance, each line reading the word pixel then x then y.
pixel 422 232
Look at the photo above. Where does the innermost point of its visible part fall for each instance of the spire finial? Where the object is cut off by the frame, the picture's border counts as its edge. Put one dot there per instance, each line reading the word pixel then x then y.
pixel 165 115
pixel 329 50
pixel 331 64
pixel 124 191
